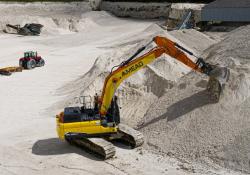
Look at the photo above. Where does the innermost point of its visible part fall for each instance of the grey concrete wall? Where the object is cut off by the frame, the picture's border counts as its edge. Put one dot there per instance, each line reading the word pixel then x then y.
pixel 226 14
pixel 137 10
pixel 178 10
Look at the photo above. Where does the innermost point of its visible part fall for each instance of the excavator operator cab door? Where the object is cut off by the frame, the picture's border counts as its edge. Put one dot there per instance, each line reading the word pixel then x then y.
pixel 113 113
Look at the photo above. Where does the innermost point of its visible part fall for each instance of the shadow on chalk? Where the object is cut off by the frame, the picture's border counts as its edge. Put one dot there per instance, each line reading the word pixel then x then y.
pixel 54 146
pixel 183 107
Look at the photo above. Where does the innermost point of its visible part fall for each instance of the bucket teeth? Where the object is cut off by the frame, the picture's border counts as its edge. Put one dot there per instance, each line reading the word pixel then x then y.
pixel 221 74
pixel 214 89
pixel 217 80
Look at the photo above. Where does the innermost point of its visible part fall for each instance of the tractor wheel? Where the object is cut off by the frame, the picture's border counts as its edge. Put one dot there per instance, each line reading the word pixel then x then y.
pixel 31 64
pixel 21 63
pixel 41 63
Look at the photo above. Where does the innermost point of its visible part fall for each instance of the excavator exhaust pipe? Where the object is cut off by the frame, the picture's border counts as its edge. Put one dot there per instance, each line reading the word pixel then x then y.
pixel 217 80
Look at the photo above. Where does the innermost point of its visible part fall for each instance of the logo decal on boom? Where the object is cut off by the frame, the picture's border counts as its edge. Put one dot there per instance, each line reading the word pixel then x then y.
pixel 132 68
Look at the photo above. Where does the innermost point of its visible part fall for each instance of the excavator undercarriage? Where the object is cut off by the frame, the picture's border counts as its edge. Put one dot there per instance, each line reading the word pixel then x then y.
pixel 101 144
pixel 84 127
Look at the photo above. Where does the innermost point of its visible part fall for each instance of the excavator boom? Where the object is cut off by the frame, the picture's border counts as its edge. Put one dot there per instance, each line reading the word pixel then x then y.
pixel 218 75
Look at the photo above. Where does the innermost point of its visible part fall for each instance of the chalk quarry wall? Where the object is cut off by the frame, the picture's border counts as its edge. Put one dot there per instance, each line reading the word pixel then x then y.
pixel 137 10
pixel 174 11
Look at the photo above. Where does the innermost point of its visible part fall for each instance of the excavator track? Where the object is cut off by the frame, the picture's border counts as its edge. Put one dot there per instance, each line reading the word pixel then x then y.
pixel 98 146
pixel 130 135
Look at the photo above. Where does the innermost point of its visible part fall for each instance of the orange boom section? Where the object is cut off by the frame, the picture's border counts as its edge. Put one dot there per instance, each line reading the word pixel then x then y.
pixel 171 49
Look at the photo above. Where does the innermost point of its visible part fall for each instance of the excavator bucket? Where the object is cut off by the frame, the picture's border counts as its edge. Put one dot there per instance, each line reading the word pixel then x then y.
pixel 217 79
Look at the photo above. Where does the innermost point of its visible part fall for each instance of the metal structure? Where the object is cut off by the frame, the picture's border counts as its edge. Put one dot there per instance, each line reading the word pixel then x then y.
pixel 27 29
pixel 185 23
pixel 227 11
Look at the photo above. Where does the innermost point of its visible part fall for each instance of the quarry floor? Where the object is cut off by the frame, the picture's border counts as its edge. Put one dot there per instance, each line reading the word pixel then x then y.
pixel 70 44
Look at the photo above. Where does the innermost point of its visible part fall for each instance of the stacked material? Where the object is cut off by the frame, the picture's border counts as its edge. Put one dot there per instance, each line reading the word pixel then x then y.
pixel 183 122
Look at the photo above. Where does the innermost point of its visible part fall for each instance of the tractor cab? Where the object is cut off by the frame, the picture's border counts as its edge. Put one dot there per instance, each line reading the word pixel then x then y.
pixel 30 54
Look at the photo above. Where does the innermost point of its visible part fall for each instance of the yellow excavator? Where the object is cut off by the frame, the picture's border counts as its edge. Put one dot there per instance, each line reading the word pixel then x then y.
pixel 93 127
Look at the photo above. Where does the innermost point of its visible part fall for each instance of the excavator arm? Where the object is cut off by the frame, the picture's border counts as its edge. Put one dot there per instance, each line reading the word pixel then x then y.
pixel 176 51
pixel 133 64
